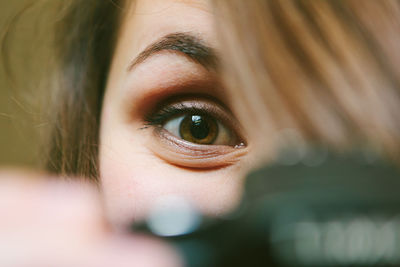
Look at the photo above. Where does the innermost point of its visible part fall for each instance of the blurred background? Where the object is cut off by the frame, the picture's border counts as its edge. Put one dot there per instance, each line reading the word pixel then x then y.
pixel 25 51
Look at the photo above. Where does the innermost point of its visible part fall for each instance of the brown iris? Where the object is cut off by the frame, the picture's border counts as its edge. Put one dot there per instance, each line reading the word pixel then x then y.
pixel 200 129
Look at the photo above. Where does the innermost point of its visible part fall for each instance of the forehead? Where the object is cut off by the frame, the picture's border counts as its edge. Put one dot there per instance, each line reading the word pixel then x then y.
pixel 147 20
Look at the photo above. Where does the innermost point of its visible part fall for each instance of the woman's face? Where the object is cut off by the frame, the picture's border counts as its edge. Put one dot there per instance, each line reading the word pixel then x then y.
pixel 166 124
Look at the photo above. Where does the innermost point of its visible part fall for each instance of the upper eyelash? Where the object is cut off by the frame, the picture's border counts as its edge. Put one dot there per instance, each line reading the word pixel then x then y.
pixel 165 113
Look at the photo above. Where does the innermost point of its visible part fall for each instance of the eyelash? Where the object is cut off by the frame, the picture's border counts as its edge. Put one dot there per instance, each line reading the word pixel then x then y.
pixel 160 117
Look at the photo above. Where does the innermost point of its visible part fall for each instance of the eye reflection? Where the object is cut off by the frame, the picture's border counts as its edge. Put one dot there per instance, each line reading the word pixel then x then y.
pixel 199 129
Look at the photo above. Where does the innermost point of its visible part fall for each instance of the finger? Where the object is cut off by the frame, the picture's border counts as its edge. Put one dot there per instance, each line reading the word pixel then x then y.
pixel 42 216
pixel 53 223
pixel 132 251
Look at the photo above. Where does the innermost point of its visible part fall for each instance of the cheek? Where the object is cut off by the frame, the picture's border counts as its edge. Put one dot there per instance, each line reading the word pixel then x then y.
pixel 133 180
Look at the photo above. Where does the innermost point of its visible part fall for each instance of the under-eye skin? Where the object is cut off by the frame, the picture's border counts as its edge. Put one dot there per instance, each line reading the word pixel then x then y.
pixel 196 133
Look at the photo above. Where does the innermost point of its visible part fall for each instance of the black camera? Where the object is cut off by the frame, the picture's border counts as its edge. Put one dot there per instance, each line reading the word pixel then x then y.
pixel 342 211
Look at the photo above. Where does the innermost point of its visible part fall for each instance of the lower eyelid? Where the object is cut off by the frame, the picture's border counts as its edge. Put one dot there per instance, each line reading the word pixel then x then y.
pixel 182 153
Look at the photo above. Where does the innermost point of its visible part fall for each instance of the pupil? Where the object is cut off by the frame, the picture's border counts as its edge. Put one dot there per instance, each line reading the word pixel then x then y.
pixel 199 127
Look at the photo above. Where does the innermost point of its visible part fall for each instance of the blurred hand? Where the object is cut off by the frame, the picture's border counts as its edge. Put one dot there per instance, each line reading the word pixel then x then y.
pixel 46 222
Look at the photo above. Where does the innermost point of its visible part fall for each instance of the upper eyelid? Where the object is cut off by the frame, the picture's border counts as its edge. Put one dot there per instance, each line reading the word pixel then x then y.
pixel 181 100
pixel 145 93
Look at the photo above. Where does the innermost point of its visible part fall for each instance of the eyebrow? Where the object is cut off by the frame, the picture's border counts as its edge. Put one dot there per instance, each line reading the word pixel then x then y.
pixel 185 43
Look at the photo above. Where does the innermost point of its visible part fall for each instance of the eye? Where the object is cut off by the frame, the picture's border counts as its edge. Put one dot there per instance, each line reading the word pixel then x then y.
pixel 201 122
pixel 200 129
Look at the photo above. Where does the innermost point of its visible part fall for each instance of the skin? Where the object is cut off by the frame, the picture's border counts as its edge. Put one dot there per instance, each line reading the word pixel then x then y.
pixel 137 165
pixel 49 222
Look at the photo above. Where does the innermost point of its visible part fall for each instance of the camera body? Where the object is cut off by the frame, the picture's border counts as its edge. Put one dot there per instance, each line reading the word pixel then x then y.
pixel 342 211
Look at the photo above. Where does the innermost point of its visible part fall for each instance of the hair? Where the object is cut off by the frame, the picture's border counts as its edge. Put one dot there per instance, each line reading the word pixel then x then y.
pixel 328 69
pixel 85 40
